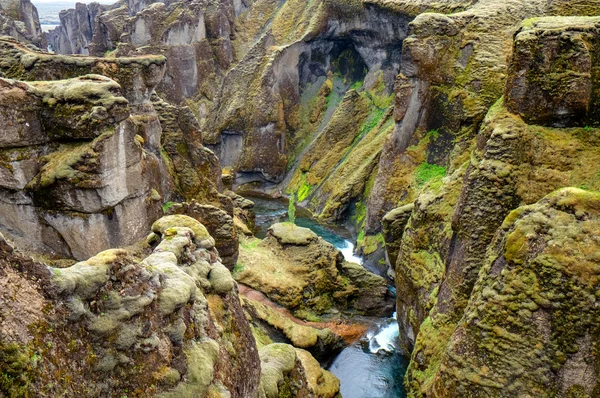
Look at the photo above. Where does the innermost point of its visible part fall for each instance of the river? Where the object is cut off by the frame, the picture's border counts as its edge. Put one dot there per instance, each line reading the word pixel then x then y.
pixel 374 366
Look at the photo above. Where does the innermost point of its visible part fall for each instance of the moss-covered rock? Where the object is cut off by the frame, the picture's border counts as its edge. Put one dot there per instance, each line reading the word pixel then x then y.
pixel 309 276
pixel 320 342
pixel 170 325
pixel 219 224
pixel 163 225
pixel 530 325
pixel 552 71
pixel 289 372
pixel 291 234
pixel 137 76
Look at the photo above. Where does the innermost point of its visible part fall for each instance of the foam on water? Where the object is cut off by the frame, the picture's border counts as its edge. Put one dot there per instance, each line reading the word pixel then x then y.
pixel 385 338
pixel 348 251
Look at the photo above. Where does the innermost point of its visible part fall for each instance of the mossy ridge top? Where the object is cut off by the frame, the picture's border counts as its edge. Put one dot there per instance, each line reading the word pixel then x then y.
pixel 560 23
pixel 145 60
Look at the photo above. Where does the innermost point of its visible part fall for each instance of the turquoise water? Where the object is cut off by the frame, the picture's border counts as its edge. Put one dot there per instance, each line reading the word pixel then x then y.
pixel 374 366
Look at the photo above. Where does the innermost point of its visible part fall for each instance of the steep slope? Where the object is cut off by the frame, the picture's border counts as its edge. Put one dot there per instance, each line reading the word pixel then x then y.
pixel 19 19
pixel 169 325
pixel 513 163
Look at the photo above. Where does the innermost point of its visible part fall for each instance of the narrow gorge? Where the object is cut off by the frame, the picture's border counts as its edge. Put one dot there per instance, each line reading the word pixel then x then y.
pixel 300 198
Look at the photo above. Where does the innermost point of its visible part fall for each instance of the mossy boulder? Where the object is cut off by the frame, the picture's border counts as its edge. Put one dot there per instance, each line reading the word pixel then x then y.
pixel 308 275
pixel 291 234
pixel 164 224
pixel 552 74
pixel 137 76
pixel 531 324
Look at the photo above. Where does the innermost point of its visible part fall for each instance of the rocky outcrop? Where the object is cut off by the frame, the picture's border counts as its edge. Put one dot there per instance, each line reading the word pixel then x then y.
pixel 273 126
pixel 531 323
pixel 76 30
pixel 297 269
pixel 137 76
pixel 168 325
pixel 553 67
pixel 292 372
pixel 449 235
pixel 19 19
pixel 82 170
pixel 220 225
pixel 80 198
pixel 196 169
pixel 275 324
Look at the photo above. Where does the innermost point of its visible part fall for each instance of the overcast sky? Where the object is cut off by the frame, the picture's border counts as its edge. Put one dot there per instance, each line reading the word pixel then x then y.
pixel 71 2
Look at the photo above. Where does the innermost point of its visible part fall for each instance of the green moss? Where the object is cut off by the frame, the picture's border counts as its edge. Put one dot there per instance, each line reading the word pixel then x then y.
pixel 426 172
pixel 201 358
pixel 167 206
pixel 162 225
pixel 304 189
pixel 371 243
pixel 238 268
pixel 220 279
pixel 16 367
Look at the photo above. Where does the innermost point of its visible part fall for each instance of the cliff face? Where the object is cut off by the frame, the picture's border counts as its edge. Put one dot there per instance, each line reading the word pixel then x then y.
pixel 514 162
pixel 82 170
pixel 168 325
pixel 75 32
pixel 19 19
pixel 461 135
pixel 534 298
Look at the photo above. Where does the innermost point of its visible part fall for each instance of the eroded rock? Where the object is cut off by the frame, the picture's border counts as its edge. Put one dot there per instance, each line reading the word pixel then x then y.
pixel 166 325
pixel 302 272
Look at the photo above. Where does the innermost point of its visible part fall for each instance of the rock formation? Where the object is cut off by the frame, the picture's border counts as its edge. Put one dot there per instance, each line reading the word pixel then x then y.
pixel 170 324
pixel 457 140
pixel 302 272
pixel 19 19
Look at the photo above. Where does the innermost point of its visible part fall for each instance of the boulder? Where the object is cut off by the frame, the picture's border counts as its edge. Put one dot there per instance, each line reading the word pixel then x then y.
pixel 552 72
pixel 295 268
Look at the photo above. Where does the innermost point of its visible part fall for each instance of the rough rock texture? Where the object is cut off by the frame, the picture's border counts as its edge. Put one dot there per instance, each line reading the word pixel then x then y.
pixel 196 169
pixel 393 225
pixel 361 107
pixel 452 71
pixel 244 217
pixel 272 324
pixel 446 242
pixel 290 372
pixel 137 76
pixel 560 53
pixel 90 159
pixel 302 272
pixel 75 32
pixel 19 19
pixel 219 224
pixel 535 298
pixel 169 325
pixel 74 179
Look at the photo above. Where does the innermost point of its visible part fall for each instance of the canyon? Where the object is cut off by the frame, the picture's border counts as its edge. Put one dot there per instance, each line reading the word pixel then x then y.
pixel 454 145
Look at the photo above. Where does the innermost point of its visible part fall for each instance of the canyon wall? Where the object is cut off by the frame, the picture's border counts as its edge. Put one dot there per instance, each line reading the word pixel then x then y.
pixel 459 141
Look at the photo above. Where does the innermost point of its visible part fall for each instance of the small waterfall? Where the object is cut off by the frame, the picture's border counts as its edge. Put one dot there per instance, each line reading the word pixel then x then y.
pixel 384 339
pixel 348 251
